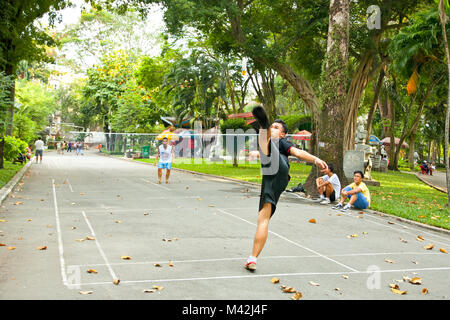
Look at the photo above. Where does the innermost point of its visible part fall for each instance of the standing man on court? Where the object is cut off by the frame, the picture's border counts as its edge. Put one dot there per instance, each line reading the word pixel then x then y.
pixel 166 154
pixel 39 146
pixel 274 151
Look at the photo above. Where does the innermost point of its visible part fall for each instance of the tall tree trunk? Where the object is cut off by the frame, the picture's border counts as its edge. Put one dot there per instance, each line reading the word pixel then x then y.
pixel 412 149
pixel 443 18
pixel 334 95
pixel 373 107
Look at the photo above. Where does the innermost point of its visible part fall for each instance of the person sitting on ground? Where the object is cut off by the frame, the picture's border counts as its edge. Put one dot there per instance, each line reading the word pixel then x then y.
pixel 20 158
pixel 424 168
pixel 328 186
pixel 29 152
pixel 431 168
pixel 357 193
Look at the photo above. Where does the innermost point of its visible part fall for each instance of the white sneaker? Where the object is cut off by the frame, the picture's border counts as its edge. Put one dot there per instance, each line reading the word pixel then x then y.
pixel 337 206
pixel 325 201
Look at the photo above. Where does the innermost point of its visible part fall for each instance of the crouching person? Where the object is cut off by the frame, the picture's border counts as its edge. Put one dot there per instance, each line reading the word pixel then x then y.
pixel 357 193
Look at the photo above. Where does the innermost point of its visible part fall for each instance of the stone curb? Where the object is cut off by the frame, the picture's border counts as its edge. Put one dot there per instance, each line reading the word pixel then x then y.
pixel 382 214
pixel 7 188
pixel 428 183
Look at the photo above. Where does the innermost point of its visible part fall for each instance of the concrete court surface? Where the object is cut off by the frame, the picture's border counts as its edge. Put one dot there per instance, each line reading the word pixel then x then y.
pixel 210 224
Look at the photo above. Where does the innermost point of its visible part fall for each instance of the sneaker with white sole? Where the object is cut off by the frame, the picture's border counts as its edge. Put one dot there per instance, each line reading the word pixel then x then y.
pixel 251 266
pixel 325 201
pixel 346 208
pixel 337 206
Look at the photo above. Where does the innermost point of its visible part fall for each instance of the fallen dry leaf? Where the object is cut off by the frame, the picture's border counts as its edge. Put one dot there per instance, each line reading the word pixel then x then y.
pixel 175 239
pixel 394 286
pixel 90 238
pixel 420 238
pixel 2 245
pixel 170 264
pixel 429 247
pixel 159 288
pixel 118 221
pixel 18 203
pixel 288 289
pixel 11 248
pixel 157 265
pixel 3 220
pixel 415 281
pixel 29 219
pixel 73 228
pixel 148 290
pixel 92 271
pixel 125 257
pixel 344 276
pixel 312 221
pixel 389 261
pixel 116 281
pixel 275 280
pixel 86 292
pixel 296 296
pixel 73 203
pixel 315 284
pixel 80 240
pixel 421 216
pixel 443 250
pixel 211 205
pixel 424 291
pixel 360 212
pixel 42 248
pixel 403 240
pixel 397 291
pixel 406 278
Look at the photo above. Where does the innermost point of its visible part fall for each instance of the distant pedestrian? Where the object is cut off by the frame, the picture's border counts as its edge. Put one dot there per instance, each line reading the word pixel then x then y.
pixel 59 147
pixel 39 145
pixel 166 154
pixel 69 146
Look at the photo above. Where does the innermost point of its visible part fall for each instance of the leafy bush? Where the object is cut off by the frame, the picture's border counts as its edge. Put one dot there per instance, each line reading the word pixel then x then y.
pixel 297 122
pixel 234 124
pixel 13 146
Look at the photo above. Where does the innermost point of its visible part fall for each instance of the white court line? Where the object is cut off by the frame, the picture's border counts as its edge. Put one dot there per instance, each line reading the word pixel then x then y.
pixel 398 229
pixel 262 258
pixel 70 186
pixel 155 184
pixel 290 241
pixel 264 276
pixel 60 244
pixel 111 271
pixel 412 228
pixel 152 209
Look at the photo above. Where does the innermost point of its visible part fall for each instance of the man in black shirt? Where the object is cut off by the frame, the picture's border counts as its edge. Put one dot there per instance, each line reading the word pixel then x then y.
pixel 274 153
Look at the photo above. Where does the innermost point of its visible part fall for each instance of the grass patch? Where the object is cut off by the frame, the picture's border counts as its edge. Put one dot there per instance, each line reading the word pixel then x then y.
pixel 8 172
pixel 400 194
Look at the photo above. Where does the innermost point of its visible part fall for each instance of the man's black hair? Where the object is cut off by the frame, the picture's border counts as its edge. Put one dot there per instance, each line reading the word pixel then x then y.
pixel 165 138
pixel 360 172
pixel 331 167
pixel 285 127
pixel 39 138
